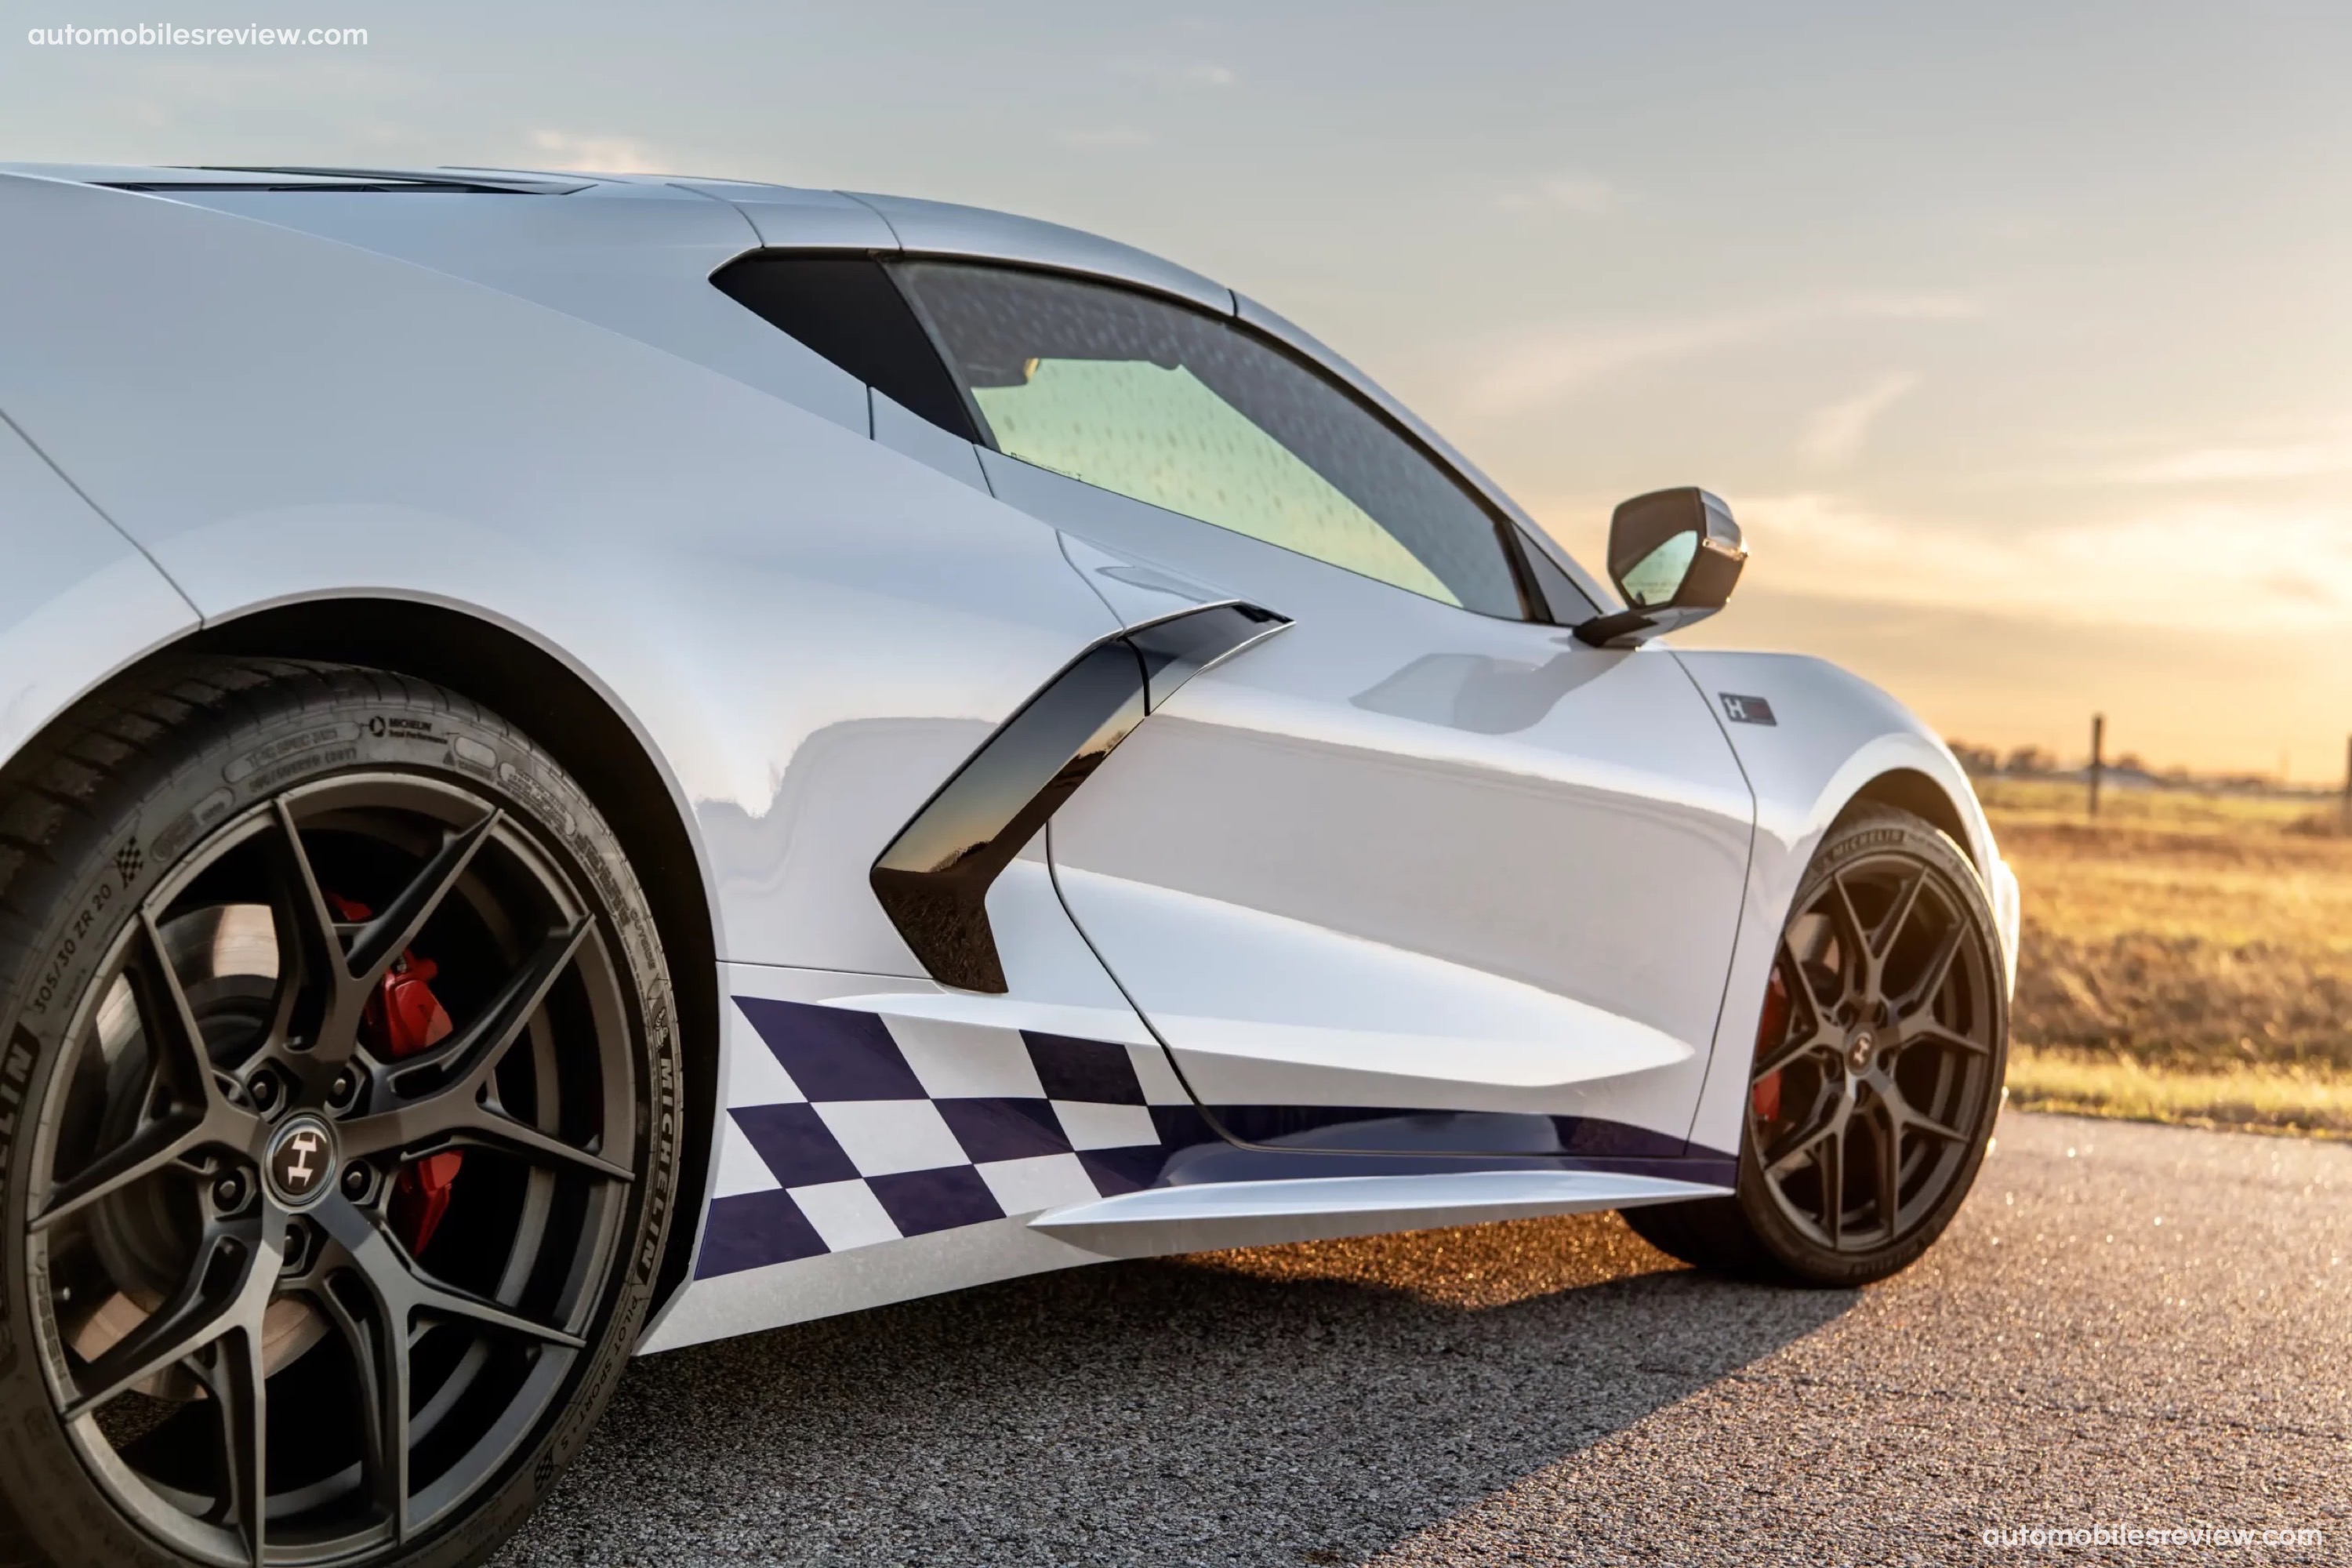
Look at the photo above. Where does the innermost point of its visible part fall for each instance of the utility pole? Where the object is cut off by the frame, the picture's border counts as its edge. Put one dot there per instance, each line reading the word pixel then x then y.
pixel 2098 757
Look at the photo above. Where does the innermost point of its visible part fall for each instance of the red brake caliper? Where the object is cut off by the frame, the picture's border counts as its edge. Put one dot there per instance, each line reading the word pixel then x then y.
pixel 1771 1031
pixel 401 1019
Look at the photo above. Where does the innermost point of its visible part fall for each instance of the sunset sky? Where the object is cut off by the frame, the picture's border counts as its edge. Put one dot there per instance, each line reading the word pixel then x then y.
pixel 2016 335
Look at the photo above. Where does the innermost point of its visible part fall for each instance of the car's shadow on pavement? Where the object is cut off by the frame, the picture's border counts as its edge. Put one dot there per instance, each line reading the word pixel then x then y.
pixel 1290 1405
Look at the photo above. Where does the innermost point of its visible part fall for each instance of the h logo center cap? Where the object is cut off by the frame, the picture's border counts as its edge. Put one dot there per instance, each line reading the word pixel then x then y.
pixel 301 1160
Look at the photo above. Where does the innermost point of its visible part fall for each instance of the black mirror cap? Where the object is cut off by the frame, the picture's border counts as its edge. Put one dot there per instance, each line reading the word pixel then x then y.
pixel 1643 526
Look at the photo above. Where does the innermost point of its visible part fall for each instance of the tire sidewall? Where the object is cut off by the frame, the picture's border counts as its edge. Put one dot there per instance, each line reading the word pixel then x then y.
pixel 322 723
pixel 1873 831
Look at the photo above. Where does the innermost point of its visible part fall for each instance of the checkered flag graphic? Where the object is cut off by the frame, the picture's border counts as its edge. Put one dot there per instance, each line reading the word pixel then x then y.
pixel 866 1130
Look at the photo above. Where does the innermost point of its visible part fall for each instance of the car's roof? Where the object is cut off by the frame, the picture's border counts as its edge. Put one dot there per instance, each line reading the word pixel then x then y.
pixel 904 223
pixel 169 178
pixel 512 229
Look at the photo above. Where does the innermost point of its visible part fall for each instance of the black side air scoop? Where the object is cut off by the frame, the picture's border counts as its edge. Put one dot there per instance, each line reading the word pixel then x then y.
pixel 933 879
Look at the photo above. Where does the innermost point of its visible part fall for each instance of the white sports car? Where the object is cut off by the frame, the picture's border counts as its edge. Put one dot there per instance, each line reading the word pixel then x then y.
pixel 594 763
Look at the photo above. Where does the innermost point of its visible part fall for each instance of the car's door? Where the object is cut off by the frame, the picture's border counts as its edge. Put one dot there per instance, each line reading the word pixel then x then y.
pixel 1422 852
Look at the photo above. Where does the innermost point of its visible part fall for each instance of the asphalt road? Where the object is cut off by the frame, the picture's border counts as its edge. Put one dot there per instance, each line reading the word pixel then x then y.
pixel 2127 1325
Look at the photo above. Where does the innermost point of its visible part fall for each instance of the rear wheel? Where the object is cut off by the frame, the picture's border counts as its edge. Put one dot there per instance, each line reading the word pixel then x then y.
pixel 1877 1071
pixel 342 1158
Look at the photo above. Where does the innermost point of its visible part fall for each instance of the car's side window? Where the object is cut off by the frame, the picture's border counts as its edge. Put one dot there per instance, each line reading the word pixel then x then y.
pixel 846 308
pixel 1566 602
pixel 1184 410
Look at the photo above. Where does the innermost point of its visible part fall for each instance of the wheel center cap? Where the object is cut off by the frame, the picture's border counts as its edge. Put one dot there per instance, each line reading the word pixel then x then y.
pixel 1858 1054
pixel 302 1162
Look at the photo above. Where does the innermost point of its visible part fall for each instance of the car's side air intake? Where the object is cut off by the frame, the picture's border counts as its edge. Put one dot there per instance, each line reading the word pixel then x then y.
pixel 934 877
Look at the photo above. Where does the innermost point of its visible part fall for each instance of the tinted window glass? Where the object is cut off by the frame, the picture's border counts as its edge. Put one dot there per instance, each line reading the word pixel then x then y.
pixel 847 308
pixel 1180 410
pixel 1568 604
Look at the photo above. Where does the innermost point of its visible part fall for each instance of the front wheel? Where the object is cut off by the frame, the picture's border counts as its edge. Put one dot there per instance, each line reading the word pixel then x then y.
pixel 1877 1071
pixel 339 1069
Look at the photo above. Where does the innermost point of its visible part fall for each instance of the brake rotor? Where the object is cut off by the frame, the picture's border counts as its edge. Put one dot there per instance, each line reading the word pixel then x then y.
pixel 228 959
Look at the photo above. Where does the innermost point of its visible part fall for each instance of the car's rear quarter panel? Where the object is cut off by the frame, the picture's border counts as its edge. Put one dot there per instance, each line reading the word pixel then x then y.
pixel 805 630
pixel 76 598
pixel 806 627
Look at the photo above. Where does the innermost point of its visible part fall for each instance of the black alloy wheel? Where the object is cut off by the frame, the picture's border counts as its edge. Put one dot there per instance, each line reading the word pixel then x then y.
pixel 342 1162
pixel 1877 1071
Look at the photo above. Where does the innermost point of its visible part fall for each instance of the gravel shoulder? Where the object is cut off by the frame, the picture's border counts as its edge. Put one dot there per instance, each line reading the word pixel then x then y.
pixel 2128 1324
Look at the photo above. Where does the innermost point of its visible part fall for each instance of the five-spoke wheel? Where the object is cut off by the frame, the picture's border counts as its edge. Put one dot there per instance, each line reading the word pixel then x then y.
pixel 1878 1069
pixel 336 1160
pixel 1876 1051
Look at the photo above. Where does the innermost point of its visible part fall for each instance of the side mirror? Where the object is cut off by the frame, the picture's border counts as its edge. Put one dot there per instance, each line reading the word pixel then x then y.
pixel 1675 555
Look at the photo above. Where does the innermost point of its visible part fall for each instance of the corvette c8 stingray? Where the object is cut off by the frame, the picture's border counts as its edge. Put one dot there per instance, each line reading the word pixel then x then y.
pixel 593 763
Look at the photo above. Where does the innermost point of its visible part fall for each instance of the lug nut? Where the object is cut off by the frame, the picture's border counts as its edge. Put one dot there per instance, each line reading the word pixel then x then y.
pixel 264 1091
pixel 228 1193
pixel 340 1091
pixel 357 1179
pixel 297 1238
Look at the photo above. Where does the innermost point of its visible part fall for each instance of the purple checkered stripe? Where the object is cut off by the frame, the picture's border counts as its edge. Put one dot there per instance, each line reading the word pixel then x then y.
pixel 878 1130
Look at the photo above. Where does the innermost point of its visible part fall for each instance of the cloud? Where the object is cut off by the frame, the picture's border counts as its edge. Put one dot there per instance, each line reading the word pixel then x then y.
pixel 1115 136
pixel 1538 367
pixel 1833 435
pixel 1533 368
pixel 1918 307
pixel 2212 568
pixel 1179 73
pixel 600 155
pixel 1577 193
pixel 2205 464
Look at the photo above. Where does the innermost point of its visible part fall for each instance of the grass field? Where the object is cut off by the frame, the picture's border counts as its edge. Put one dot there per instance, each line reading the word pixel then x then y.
pixel 2187 957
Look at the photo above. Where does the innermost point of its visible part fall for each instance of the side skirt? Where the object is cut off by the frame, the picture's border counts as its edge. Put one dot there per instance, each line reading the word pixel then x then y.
pixel 873 1148
pixel 1255 1214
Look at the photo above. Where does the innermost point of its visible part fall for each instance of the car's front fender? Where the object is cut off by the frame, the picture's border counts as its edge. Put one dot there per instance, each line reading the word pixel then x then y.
pixel 1812 740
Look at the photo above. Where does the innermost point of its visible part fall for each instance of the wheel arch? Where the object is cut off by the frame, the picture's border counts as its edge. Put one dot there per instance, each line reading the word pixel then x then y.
pixel 584 730
pixel 1962 818
pixel 1908 789
pixel 1830 741
pixel 1914 773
